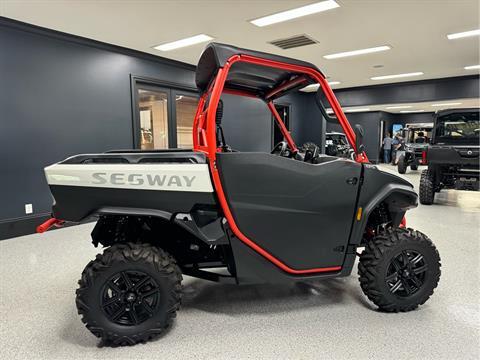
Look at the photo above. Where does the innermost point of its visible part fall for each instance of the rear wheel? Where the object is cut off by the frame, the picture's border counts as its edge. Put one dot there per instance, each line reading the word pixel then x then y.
pixel 129 294
pixel 402 166
pixel 399 270
pixel 427 187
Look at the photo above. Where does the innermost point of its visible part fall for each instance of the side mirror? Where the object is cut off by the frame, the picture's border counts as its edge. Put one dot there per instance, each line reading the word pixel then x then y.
pixel 359 133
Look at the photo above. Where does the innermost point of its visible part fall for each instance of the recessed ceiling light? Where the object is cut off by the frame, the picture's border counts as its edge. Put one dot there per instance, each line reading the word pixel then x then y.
pixel 295 13
pixel 411 111
pixel 197 39
pixel 472 67
pixel 357 52
pixel 356 110
pixel 384 77
pixel 399 107
pixel 447 104
pixel 459 35
pixel 314 87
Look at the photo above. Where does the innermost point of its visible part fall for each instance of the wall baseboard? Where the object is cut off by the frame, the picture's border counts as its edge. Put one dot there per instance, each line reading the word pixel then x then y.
pixel 10 228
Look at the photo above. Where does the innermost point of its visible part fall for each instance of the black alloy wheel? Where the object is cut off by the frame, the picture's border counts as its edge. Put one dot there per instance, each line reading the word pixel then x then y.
pixel 406 273
pixel 130 297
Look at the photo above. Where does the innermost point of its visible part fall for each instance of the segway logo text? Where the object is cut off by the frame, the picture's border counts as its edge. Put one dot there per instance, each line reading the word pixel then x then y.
pixel 141 179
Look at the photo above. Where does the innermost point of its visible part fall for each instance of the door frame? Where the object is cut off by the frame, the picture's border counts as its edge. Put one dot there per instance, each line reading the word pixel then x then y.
pixel 274 125
pixel 171 89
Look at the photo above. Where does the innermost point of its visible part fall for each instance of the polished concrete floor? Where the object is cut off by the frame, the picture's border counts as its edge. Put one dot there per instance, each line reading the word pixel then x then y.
pixel 330 319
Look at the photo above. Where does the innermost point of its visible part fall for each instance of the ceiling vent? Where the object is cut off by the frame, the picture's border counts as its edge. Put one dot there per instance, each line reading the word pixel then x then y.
pixel 293 42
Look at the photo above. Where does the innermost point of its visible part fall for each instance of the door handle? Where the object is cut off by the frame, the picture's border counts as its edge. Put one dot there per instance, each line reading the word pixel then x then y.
pixel 352 181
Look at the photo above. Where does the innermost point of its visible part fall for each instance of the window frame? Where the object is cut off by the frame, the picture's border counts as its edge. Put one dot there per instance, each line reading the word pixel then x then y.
pixel 171 89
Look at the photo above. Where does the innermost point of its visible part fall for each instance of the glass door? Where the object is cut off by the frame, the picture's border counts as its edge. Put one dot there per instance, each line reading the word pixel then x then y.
pixel 153 114
pixel 163 117
pixel 185 108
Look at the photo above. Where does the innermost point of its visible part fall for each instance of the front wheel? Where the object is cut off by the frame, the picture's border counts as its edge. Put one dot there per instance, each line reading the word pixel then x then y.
pixel 399 269
pixel 402 166
pixel 129 294
pixel 427 187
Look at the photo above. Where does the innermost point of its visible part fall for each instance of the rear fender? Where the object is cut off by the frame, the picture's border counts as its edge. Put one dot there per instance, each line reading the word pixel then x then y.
pixel 398 199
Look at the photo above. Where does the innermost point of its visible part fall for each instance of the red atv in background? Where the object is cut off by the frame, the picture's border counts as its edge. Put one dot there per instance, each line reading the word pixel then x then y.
pixel 294 214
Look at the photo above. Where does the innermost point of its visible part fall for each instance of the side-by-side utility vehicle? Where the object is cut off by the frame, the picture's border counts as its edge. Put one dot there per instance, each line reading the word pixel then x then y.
pixel 237 217
pixel 417 138
pixel 453 155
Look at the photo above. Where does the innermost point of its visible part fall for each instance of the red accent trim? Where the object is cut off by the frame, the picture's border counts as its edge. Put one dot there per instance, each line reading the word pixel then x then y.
pixel 424 157
pixel 207 143
pixel 283 128
pixel 48 224
pixel 403 223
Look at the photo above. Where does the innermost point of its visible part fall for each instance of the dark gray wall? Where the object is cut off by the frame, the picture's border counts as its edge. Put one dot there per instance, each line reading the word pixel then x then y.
pixel 247 123
pixel 415 91
pixel 58 98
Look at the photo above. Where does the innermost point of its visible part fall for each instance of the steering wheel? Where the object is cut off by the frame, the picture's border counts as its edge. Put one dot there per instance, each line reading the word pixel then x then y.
pixel 281 149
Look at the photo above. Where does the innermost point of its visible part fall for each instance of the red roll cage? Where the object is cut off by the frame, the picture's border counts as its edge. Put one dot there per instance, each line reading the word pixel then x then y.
pixel 205 140
pixel 204 137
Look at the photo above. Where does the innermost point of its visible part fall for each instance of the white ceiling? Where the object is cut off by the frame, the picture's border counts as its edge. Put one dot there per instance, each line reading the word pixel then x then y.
pixel 415 29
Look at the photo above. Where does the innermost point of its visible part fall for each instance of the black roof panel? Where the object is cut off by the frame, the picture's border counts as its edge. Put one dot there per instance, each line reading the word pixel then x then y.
pixel 243 76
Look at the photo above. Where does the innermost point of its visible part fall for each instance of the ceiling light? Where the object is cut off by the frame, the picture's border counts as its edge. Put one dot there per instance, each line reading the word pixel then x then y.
pixel 464 34
pixel 411 111
pixel 314 87
pixel 310 88
pixel 197 39
pixel 399 107
pixel 472 67
pixel 447 104
pixel 357 52
pixel 356 110
pixel 384 77
pixel 295 13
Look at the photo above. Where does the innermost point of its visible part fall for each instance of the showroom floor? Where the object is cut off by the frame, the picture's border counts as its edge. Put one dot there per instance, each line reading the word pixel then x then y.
pixel 328 319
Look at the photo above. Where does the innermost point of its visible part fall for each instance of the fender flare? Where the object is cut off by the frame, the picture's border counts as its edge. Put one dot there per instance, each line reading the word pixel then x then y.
pixel 403 198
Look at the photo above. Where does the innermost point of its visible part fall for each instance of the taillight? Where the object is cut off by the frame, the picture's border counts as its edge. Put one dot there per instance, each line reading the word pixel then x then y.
pixel 403 223
pixel 424 157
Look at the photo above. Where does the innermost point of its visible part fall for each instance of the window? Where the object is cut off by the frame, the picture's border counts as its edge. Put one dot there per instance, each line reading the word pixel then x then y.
pixel 185 109
pixel 163 116
pixel 153 108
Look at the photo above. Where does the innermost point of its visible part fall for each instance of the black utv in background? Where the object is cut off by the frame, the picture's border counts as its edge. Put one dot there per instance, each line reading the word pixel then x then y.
pixel 417 137
pixel 453 156
pixel 336 144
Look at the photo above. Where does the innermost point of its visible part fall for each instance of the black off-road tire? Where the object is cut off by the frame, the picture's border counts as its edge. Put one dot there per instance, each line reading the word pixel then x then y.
pixel 402 166
pixel 378 256
pixel 414 165
pixel 427 187
pixel 161 270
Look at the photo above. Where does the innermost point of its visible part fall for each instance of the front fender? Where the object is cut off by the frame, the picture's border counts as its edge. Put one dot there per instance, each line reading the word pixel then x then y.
pixel 398 198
